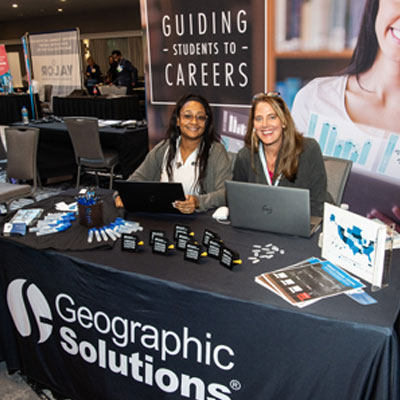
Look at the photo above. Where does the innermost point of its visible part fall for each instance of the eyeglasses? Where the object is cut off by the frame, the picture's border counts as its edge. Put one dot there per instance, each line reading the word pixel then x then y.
pixel 200 119
pixel 266 94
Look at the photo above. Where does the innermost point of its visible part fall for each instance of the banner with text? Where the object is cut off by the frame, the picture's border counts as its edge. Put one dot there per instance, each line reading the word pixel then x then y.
pixel 6 84
pixel 93 332
pixel 216 49
pixel 56 60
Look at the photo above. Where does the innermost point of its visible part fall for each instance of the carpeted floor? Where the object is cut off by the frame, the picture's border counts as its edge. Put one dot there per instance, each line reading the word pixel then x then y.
pixel 14 387
pixel 17 387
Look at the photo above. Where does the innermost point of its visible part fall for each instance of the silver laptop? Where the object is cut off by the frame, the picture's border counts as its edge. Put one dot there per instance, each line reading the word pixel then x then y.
pixel 271 208
pixel 112 90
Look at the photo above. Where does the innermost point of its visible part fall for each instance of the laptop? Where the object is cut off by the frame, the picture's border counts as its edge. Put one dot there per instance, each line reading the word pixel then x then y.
pixel 112 90
pixel 78 93
pixel 155 197
pixel 267 208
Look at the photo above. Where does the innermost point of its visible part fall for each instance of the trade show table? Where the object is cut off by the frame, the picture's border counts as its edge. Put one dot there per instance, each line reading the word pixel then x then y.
pixel 56 154
pixel 96 322
pixel 105 107
pixel 11 105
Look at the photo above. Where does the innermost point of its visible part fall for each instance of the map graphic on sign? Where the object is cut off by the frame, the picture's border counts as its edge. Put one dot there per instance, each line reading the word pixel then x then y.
pixel 354 240
pixel 354 243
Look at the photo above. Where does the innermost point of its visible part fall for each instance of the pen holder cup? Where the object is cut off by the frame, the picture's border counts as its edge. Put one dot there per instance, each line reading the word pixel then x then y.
pixel 91 216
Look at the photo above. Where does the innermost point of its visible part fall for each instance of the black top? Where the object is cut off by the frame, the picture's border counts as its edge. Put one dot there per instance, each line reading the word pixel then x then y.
pixel 126 74
pixel 93 72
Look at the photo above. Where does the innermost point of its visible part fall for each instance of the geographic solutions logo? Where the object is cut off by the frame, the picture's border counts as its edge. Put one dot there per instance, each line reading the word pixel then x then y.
pixel 19 309
pixel 114 337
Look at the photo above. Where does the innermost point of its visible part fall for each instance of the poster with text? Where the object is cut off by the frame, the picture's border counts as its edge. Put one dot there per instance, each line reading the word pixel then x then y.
pixel 56 60
pixel 216 49
pixel 6 84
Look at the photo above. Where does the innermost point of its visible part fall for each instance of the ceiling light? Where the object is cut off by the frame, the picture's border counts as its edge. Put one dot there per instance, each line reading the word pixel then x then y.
pixel 60 10
pixel 15 5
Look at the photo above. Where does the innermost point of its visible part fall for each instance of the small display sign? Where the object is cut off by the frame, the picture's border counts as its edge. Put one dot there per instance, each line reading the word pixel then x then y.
pixel 161 245
pixel 155 233
pixel 179 228
pixel 182 240
pixel 214 248
pixel 229 258
pixel 130 242
pixel 193 252
pixel 208 235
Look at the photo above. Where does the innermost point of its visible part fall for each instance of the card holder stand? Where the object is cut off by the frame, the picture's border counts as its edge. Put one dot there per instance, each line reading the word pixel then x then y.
pixel 91 216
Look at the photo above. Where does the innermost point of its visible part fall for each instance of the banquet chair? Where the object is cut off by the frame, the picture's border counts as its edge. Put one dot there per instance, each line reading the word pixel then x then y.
pixel 46 104
pixel 85 137
pixel 22 146
pixel 3 155
pixel 337 173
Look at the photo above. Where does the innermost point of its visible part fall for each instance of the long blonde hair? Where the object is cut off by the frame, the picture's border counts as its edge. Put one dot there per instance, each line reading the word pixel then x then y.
pixel 292 140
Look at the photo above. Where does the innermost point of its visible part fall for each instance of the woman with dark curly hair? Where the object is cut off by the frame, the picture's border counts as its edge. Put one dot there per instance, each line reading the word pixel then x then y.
pixel 275 153
pixel 191 154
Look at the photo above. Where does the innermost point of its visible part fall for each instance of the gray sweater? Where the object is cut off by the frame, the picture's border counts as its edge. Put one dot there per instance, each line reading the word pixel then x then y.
pixel 311 174
pixel 218 171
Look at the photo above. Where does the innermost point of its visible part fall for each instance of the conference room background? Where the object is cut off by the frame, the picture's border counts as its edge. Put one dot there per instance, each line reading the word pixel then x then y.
pixel 224 53
pixel 243 330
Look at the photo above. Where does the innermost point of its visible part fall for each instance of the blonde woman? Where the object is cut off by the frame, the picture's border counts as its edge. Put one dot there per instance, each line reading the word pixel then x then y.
pixel 275 153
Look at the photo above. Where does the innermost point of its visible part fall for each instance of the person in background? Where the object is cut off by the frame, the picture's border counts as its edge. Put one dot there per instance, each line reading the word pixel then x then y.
pixel 275 153
pixel 367 96
pixel 93 75
pixel 126 73
pixel 37 87
pixel 112 71
pixel 191 154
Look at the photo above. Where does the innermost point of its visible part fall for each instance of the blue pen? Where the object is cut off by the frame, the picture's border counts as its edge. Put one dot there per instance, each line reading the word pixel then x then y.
pixel 115 229
pixel 55 229
pixel 90 236
pixel 103 234
pixel 110 233
pixel 97 234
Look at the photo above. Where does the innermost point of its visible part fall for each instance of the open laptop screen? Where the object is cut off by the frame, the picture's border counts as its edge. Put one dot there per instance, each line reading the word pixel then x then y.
pixel 155 197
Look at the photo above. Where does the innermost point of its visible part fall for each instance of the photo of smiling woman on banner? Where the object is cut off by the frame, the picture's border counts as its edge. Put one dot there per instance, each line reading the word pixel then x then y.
pixel 190 154
pixel 354 115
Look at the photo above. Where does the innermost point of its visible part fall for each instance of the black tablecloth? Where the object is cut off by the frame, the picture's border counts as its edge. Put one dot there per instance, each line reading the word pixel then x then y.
pixel 11 105
pixel 56 155
pixel 103 107
pixel 210 276
pixel 157 325
pixel 75 237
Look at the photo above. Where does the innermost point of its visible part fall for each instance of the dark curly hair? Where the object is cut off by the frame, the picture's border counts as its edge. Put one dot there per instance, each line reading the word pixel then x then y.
pixel 209 136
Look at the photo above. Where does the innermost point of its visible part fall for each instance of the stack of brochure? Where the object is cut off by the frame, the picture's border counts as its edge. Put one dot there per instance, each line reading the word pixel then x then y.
pixel 26 216
pixel 308 281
